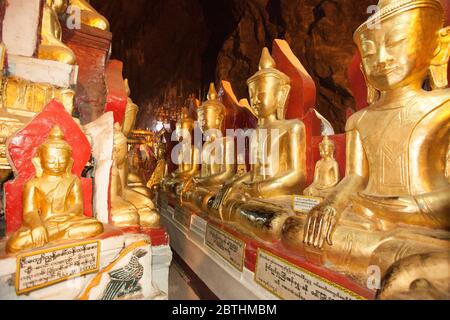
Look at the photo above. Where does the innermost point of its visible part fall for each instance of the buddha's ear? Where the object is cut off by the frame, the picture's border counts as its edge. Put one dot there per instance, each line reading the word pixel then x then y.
pixel 282 99
pixel 69 167
pixel 37 166
pixel 439 65
pixel 372 93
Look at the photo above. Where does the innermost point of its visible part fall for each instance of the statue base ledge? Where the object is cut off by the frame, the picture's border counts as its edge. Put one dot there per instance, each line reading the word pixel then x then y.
pixel 90 270
pixel 234 266
pixel 35 70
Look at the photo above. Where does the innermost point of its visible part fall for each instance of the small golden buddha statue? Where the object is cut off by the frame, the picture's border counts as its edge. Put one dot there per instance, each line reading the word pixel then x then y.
pixel 394 202
pixel 187 155
pixel 128 207
pixel 89 16
pixel 53 200
pixel 278 151
pixel 161 167
pixel 326 174
pixel 217 156
pixel 51 46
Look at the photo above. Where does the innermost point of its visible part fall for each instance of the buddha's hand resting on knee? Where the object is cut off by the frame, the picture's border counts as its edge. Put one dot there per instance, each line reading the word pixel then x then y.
pixel 320 225
pixel 39 235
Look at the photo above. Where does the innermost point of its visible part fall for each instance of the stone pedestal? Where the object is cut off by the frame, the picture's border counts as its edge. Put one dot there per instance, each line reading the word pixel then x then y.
pixel 126 266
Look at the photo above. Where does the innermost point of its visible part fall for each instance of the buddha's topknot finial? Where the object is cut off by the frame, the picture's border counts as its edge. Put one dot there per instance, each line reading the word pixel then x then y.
pixel 212 93
pixel 56 140
pixel 266 61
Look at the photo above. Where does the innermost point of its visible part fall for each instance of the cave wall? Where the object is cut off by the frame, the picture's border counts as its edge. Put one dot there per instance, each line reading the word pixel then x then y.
pixel 172 48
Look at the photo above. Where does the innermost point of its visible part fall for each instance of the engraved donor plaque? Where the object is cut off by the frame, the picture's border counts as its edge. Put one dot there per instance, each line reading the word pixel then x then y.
pixel 181 216
pixel 39 269
pixel 304 204
pixel 290 282
pixel 227 246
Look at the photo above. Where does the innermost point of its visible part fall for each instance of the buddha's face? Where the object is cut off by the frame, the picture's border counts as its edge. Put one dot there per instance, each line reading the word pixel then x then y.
pixel 400 51
pixel 209 119
pixel 326 151
pixel 265 96
pixel 54 161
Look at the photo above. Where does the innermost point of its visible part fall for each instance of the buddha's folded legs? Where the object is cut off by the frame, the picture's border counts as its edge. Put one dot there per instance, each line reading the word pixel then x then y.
pixel 74 229
pixel 20 240
pixel 56 52
pixel 124 214
pixel 358 243
pixel 148 218
pixel 83 228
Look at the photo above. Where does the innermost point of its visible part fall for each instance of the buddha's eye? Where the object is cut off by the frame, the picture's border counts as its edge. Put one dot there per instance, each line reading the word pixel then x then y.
pixel 368 48
pixel 395 40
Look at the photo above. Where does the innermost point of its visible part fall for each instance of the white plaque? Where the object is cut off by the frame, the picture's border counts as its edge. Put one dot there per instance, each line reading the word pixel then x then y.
pixel 227 246
pixel 42 268
pixel 305 204
pixel 290 282
pixel 182 217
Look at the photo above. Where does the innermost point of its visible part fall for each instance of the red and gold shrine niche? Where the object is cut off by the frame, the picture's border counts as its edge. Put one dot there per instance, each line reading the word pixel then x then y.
pixel 22 148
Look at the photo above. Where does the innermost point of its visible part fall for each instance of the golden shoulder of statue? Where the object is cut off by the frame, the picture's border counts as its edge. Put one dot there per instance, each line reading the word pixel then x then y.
pixel 53 200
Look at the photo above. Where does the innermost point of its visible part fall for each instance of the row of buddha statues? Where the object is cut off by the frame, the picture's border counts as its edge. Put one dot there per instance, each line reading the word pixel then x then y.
pixel 392 207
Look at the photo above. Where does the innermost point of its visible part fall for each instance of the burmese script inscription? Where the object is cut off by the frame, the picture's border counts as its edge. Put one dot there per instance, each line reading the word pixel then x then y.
pixel 39 269
pixel 290 282
pixel 305 204
pixel 227 246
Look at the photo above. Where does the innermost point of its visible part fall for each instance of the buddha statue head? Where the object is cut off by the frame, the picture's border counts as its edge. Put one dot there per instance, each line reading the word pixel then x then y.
pixel 54 156
pixel 403 43
pixel 268 89
pixel 211 113
pixel 327 148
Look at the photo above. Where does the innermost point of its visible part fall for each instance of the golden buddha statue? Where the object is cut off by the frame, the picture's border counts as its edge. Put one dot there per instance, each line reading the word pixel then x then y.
pixel 187 155
pixel 128 207
pixel 278 151
pixel 326 174
pixel 392 208
pixel 51 46
pixel 217 156
pixel 89 16
pixel 53 200
pixel 161 167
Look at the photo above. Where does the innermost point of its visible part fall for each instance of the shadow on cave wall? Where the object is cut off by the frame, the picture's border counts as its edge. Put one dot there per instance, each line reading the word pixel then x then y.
pixel 172 48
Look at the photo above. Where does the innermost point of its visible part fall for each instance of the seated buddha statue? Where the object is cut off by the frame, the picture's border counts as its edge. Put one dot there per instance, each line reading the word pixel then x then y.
pixel 394 201
pixel 326 173
pixel 134 180
pixel 186 155
pixel 51 46
pixel 278 164
pixel 89 16
pixel 128 208
pixel 53 200
pixel 217 156
pixel 161 167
